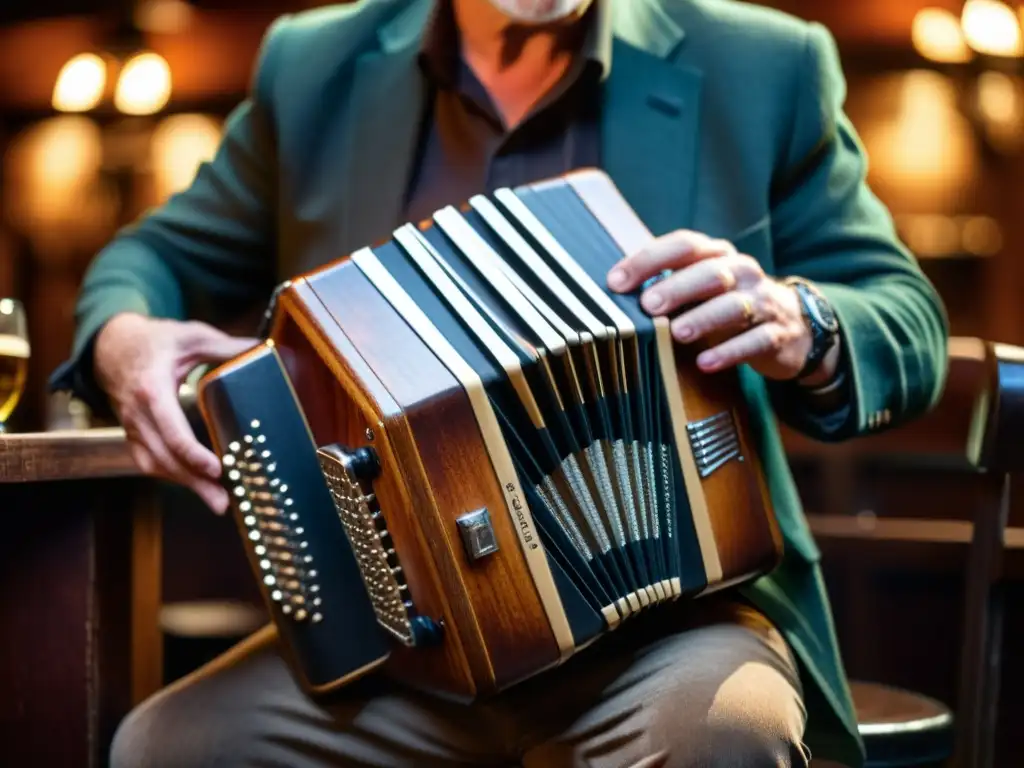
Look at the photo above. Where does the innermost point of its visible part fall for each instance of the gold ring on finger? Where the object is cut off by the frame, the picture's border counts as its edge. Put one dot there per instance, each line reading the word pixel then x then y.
pixel 727 278
pixel 748 309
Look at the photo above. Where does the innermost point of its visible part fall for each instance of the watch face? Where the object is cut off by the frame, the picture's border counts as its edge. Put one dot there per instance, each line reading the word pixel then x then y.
pixel 823 313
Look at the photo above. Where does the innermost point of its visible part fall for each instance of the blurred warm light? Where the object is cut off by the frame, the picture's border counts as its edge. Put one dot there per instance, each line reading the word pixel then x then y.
pixel 981 236
pixel 163 17
pixel 53 191
pixel 930 235
pixel 144 86
pixel 922 147
pixel 1000 109
pixel 991 27
pixel 999 98
pixel 80 84
pixel 180 144
pixel 64 152
pixel 934 236
pixel 937 35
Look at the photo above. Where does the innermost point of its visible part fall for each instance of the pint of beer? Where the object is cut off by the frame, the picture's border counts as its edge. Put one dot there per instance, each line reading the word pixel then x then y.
pixel 14 356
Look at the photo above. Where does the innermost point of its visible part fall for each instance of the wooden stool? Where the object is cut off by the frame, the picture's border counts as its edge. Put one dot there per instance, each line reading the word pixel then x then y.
pixel 985 399
pixel 901 728
pixel 197 632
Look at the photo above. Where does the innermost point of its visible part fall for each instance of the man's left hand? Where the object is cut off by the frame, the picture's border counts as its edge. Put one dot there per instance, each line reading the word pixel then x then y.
pixel 754 318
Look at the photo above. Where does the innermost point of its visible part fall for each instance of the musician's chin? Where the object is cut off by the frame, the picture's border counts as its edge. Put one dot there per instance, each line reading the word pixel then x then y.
pixel 541 11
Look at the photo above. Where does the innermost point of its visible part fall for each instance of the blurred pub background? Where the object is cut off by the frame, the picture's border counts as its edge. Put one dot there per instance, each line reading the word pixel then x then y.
pixel 107 107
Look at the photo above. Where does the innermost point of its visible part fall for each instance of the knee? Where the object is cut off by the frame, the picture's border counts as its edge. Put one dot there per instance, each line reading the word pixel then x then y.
pixel 744 745
pixel 165 732
pixel 755 719
pixel 135 740
pixel 142 737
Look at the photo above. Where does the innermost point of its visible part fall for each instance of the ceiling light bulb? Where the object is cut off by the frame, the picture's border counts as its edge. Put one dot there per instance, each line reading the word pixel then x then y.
pixel 144 86
pixel 80 83
pixel 936 35
pixel 992 28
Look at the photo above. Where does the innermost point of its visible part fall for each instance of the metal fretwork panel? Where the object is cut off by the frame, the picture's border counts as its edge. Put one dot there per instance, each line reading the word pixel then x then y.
pixel 715 442
pixel 375 553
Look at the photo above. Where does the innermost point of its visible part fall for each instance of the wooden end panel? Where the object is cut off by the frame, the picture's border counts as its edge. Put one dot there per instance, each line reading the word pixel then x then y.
pixel 343 399
pixel 738 504
pixel 742 517
pixel 453 474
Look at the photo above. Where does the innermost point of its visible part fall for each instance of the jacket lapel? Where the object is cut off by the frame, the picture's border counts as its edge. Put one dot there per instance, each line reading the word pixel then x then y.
pixel 650 121
pixel 382 124
pixel 651 116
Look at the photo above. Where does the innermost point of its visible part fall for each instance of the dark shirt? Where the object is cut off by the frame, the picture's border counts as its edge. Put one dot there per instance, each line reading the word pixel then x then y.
pixel 465 148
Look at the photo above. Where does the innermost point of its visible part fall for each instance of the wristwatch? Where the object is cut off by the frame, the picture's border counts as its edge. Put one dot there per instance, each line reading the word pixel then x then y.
pixel 821 321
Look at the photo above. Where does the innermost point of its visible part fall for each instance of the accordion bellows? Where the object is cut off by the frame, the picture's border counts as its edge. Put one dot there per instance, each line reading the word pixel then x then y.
pixel 460 459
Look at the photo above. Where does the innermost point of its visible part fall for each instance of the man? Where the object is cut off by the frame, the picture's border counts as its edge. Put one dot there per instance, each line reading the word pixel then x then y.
pixel 722 124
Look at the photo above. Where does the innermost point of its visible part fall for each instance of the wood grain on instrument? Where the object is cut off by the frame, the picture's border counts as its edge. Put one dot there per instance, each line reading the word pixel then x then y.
pixel 437 443
pixel 346 402
pixel 746 531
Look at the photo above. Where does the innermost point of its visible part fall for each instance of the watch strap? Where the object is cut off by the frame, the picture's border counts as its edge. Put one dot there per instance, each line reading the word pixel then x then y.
pixel 822 337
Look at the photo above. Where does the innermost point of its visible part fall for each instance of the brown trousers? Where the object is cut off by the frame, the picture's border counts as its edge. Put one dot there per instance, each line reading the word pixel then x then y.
pixel 718 689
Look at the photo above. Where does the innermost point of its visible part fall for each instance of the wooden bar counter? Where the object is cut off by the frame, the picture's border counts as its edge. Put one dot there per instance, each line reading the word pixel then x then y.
pixel 79 594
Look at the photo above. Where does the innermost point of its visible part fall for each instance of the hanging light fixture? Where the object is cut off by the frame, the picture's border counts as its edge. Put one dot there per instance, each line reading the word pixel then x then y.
pixel 80 84
pixel 982 48
pixel 992 28
pixel 141 78
pixel 937 35
pixel 988 28
pixel 144 86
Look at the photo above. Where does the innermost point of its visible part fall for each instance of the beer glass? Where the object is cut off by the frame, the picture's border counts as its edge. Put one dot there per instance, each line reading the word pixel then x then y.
pixel 14 355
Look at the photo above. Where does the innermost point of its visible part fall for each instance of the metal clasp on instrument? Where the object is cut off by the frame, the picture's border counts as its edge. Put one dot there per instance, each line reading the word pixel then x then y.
pixel 477 534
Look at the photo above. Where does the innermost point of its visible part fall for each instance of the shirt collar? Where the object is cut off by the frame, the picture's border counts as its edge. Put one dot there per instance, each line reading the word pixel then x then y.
pixel 440 48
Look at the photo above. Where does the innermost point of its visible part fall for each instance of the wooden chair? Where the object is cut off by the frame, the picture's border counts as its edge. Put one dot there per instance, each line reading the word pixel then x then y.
pixel 977 427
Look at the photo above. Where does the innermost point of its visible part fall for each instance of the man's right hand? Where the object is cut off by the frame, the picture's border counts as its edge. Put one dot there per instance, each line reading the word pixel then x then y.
pixel 140 362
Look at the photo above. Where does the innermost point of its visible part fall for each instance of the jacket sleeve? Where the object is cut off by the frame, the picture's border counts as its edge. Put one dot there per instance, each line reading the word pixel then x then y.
pixel 205 253
pixel 829 227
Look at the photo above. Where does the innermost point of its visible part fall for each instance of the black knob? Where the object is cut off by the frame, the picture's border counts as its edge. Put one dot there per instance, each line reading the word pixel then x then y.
pixel 426 631
pixel 365 463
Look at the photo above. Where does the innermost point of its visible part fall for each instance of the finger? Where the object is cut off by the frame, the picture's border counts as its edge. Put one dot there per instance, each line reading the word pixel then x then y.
pixel 212 494
pixel 162 462
pixel 675 250
pixel 147 450
pixel 177 435
pixel 759 340
pixel 700 281
pixel 142 457
pixel 194 465
pixel 735 309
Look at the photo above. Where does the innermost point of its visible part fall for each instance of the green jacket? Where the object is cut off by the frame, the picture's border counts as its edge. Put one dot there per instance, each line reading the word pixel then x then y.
pixel 719 116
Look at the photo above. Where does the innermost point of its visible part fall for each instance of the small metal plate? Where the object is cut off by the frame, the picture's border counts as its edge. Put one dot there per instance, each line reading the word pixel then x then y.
pixel 477 534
